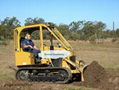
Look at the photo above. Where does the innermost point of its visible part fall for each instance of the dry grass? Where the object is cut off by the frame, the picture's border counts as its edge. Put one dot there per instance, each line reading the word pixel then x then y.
pixel 6 60
pixel 107 54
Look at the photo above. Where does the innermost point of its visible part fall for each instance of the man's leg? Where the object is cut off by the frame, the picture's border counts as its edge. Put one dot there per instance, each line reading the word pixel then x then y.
pixel 37 59
pixel 35 52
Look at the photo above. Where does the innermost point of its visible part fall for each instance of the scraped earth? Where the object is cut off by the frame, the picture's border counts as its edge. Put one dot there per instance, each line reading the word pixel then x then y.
pixel 96 77
pixel 20 85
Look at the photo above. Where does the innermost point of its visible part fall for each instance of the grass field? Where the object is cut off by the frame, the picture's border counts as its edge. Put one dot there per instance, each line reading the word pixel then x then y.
pixel 107 55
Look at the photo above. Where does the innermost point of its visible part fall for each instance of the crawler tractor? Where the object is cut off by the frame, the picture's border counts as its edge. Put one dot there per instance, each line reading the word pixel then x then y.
pixel 60 66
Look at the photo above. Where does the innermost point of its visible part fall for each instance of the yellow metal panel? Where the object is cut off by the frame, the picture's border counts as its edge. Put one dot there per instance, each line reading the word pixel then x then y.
pixel 75 71
pixel 41 39
pixel 45 61
pixel 15 39
pixel 24 58
pixel 64 64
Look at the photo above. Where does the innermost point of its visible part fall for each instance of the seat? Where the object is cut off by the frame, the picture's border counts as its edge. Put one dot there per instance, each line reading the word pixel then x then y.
pixel 21 43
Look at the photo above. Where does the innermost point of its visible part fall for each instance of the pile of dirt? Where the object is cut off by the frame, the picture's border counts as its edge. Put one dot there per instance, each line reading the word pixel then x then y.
pixel 97 77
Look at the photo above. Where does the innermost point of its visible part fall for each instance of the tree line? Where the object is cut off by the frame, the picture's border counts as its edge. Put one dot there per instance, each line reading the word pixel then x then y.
pixel 76 30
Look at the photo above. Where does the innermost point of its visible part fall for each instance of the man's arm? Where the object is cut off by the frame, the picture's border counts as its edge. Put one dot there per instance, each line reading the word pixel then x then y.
pixel 27 46
pixel 35 47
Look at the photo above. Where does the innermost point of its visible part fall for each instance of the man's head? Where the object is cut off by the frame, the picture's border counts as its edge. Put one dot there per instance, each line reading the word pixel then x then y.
pixel 28 36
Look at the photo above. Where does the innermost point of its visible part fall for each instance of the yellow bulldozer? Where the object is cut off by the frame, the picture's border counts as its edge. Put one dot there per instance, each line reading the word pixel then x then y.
pixel 58 62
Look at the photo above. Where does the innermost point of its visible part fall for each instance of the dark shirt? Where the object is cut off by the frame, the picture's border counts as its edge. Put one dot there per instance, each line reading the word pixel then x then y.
pixel 28 42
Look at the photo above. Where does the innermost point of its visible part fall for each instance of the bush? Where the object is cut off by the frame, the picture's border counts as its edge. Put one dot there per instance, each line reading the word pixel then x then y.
pixel 3 42
pixel 92 39
pixel 74 36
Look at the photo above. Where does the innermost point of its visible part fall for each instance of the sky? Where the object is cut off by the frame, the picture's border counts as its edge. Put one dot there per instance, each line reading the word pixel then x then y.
pixel 62 11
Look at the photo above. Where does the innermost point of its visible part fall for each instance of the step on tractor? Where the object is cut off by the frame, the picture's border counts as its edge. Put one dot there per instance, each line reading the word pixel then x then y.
pixel 56 61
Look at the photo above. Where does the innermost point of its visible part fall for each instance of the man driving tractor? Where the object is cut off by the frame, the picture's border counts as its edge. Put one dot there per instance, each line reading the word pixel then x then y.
pixel 29 46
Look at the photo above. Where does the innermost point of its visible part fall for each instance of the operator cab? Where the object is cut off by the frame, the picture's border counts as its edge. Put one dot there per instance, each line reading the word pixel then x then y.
pixel 49 42
pixel 44 37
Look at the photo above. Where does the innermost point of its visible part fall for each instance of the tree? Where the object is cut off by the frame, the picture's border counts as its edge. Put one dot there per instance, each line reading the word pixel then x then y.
pixel 75 26
pixel 117 32
pixel 92 29
pixel 99 28
pixel 31 21
pixel 88 30
pixel 2 32
pixel 84 30
pixel 74 36
pixel 64 29
pixel 7 25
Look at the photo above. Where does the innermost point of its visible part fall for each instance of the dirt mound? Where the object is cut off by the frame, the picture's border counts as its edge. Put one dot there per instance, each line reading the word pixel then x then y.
pixel 95 75
pixel 98 77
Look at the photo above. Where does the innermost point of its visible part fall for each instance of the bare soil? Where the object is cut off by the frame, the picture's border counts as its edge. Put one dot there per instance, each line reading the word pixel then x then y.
pixel 22 85
pixel 95 77
pixel 98 77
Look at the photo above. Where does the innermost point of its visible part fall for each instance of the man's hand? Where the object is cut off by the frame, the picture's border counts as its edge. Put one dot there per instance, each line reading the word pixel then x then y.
pixel 30 46
pixel 35 48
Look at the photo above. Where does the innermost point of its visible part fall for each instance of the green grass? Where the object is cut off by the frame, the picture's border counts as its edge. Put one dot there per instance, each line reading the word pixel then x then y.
pixel 7 76
pixel 115 67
